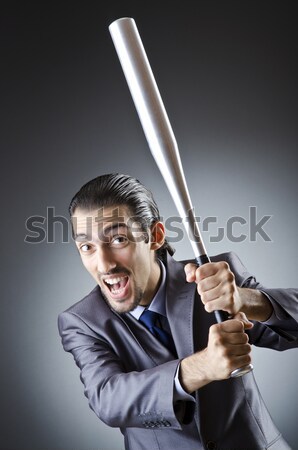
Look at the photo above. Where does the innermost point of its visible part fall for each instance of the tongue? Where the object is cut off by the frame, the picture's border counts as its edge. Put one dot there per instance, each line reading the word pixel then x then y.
pixel 116 286
pixel 120 285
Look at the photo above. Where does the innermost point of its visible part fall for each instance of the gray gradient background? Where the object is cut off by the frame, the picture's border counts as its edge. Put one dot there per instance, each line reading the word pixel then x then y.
pixel 227 71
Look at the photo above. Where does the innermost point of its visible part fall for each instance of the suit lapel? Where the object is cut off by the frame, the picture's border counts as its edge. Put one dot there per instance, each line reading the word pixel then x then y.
pixel 180 306
pixel 154 349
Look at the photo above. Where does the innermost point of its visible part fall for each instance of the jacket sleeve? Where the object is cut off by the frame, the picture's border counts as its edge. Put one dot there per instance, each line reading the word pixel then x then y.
pixel 280 332
pixel 118 397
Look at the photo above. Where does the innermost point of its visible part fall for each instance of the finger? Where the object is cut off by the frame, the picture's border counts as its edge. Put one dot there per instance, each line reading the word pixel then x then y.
pixel 195 273
pixel 214 305
pixel 215 293
pixel 207 270
pixel 232 326
pixel 218 300
pixel 241 350
pixel 241 361
pixel 221 269
pixel 208 285
pixel 237 350
pixel 235 339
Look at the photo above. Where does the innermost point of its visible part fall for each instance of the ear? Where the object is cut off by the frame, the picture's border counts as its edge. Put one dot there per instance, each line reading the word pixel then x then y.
pixel 157 235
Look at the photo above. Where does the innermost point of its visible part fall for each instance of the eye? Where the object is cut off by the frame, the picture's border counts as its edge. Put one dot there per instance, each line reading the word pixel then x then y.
pixel 119 241
pixel 85 248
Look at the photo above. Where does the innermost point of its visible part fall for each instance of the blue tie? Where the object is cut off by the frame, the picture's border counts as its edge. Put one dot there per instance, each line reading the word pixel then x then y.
pixel 152 322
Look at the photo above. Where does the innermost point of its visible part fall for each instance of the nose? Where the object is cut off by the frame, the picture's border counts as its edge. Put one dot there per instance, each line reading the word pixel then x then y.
pixel 105 260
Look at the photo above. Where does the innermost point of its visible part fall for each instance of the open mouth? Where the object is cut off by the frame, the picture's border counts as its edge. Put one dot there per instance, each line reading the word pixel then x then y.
pixel 117 285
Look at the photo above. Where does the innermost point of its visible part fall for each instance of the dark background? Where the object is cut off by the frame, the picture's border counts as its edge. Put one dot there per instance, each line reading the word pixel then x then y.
pixel 227 72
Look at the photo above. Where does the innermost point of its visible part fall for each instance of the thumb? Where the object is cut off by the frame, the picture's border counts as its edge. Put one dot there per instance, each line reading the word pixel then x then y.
pixel 190 272
pixel 242 317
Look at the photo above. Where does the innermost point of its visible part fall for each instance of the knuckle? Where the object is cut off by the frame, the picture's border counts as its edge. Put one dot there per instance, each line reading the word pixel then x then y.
pixel 218 342
pixel 229 366
pixel 241 316
pixel 200 273
pixel 223 265
pixel 230 276
pixel 190 268
pixel 207 307
pixel 245 339
pixel 247 359
pixel 214 328
pixel 229 302
pixel 214 331
pixel 202 294
pixel 200 285
pixel 231 288
pixel 236 325
pixel 239 326
pixel 248 348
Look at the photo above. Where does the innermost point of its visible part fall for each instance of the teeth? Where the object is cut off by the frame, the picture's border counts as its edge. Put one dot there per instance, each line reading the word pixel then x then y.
pixel 117 291
pixel 114 280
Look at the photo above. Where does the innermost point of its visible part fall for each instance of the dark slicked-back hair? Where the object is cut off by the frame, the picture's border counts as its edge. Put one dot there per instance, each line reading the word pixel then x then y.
pixel 116 189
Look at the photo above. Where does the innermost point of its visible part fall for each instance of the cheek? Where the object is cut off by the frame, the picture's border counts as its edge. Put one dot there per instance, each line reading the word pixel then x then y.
pixel 127 257
pixel 143 263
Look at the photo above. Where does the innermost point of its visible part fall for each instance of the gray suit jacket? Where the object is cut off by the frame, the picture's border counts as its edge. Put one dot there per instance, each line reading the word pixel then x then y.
pixel 128 374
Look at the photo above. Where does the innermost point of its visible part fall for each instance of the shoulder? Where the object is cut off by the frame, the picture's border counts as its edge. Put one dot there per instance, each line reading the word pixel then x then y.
pixel 91 309
pixel 90 299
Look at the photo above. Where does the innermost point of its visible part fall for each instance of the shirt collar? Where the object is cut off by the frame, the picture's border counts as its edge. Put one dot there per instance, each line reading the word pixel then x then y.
pixel 158 303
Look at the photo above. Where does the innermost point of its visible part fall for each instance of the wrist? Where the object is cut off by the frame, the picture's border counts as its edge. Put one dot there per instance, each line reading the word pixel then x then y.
pixel 193 374
pixel 255 304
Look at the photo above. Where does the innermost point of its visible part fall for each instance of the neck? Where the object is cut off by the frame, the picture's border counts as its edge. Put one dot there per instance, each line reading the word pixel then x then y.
pixel 155 283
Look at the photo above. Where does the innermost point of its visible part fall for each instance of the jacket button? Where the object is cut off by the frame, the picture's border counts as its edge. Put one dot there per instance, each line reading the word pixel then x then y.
pixel 211 445
pixel 166 423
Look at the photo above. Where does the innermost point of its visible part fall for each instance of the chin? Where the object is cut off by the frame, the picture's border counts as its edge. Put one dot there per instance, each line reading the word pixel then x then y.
pixel 125 305
pixel 121 307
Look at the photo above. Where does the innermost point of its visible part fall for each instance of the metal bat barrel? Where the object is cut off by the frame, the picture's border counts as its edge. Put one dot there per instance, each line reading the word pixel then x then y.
pixel 155 122
pixel 158 132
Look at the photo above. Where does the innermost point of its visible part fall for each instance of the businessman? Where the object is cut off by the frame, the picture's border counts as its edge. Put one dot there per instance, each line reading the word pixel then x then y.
pixel 153 360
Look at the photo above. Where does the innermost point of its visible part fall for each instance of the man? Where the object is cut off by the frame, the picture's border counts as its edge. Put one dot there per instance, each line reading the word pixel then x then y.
pixel 166 382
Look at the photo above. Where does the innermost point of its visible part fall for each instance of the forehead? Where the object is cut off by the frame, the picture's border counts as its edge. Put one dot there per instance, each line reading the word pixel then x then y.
pixel 96 220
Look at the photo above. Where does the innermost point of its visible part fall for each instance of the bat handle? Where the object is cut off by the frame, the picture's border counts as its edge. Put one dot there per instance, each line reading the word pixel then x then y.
pixel 222 316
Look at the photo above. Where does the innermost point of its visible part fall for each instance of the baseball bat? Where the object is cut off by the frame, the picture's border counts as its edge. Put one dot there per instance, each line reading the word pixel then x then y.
pixel 159 135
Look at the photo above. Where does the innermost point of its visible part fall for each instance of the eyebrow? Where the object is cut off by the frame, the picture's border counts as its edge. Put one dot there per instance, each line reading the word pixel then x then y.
pixel 105 232
pixel 80 235
pixel 111 228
